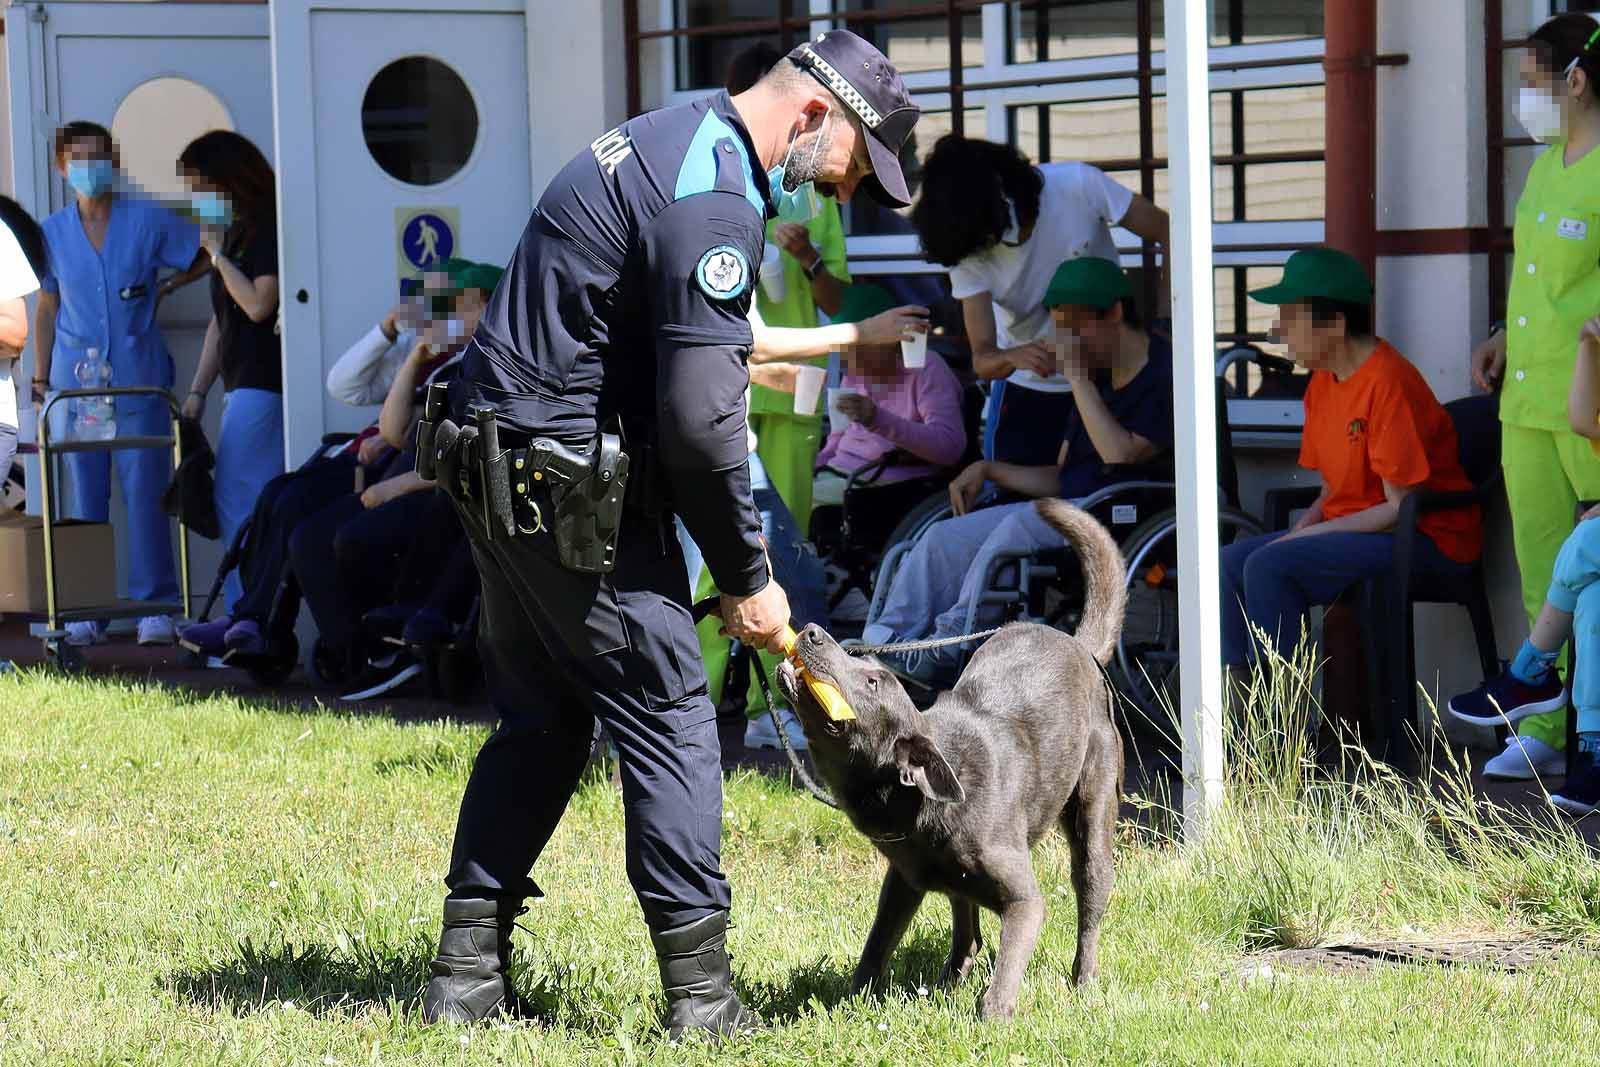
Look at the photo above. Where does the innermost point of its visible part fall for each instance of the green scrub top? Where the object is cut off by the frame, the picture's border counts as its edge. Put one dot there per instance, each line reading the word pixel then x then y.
pixel 1555 287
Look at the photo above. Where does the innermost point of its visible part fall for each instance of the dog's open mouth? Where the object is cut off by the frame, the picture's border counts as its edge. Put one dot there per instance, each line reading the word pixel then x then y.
pixel 788 678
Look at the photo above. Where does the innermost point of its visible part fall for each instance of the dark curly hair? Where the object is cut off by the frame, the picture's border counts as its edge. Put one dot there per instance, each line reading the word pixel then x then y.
pixel 965 183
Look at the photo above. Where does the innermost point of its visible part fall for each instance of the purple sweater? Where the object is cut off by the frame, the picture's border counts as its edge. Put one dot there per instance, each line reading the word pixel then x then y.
pixel 918 412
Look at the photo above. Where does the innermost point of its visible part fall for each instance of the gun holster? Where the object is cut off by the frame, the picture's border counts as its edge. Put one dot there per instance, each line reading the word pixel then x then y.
pixel 584 491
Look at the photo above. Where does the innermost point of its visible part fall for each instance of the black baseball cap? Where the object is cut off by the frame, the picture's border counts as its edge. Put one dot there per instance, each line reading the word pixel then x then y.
pixel 864 79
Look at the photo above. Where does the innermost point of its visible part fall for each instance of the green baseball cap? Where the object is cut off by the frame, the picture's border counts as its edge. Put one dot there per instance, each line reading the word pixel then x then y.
pixel 1319 273
pixel 465 274
pixel 862 301
pixel 1087 281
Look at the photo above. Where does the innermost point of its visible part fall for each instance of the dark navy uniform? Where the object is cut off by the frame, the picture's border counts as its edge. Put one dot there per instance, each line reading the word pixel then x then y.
pixel 625 303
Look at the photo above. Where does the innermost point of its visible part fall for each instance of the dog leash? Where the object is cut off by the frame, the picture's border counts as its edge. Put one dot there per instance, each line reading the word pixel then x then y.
pixel 921 646
pixel 704 608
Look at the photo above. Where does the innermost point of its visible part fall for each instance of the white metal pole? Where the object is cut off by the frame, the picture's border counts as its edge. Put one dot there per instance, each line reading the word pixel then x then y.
pixel 1193 312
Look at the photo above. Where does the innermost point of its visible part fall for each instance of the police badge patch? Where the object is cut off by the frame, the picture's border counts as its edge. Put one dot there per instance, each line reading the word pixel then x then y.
pixel 723 273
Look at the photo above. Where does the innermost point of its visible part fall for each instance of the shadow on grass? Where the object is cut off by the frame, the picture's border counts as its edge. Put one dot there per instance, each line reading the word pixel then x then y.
pixel 579 995
pixel 824 982
pixel 316 978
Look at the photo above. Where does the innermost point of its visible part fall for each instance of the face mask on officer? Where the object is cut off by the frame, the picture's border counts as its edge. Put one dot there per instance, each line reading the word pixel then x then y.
pixel 800 204
pixel 91 177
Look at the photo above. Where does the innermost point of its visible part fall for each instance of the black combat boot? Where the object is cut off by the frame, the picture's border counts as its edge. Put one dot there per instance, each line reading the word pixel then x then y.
pixel 469 982
pixel 698 981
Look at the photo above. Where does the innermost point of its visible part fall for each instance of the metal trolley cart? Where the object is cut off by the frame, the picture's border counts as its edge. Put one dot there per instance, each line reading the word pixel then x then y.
pixel 55 619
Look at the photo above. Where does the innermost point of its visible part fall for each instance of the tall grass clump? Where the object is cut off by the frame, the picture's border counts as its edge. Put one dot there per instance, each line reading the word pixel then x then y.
pixel 1319 843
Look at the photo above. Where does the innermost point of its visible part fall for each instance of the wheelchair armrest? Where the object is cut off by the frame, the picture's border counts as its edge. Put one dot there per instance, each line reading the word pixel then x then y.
pixel 1279 503
pixel 869 474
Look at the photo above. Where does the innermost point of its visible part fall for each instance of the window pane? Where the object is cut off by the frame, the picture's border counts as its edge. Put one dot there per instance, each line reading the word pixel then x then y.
pixel 863 215
pixel 1255 21
pixel 1276 191
pixel 920 44
pixel 703 61
pixel 1284 120
pixel 1097 131
pixel 1073 29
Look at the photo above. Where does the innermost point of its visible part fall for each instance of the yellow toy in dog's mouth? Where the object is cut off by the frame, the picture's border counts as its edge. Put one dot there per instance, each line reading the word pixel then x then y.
pixel 828 698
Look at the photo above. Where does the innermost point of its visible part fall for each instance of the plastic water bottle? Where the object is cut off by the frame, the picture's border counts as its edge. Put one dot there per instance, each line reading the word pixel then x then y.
pixel 94 418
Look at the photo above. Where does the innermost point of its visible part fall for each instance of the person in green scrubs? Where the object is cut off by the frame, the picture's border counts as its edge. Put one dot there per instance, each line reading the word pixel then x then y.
pixel 815 274
pixel 1555 288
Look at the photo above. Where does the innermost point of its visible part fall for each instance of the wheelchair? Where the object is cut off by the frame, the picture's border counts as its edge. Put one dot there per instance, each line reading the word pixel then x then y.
pixel 852 536
pixel 325 664
pixel 1046 587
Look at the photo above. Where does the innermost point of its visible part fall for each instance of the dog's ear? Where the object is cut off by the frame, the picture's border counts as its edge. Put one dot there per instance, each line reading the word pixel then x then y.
pixel 924 766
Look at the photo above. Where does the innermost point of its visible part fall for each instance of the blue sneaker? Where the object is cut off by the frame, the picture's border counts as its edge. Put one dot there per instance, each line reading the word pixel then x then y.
pixel 206 637
pixel 245 638
pixel 427 628
pixel 1508 699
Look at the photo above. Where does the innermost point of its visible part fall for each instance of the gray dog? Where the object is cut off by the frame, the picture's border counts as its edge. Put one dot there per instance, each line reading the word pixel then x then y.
pixel 955 798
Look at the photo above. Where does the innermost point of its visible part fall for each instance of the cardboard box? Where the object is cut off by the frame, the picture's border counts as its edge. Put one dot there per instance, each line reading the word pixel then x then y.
pixel 85 558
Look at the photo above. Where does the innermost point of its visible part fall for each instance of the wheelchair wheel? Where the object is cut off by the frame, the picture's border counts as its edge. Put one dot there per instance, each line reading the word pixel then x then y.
pixel 279 662
pixel 327 665
pixel 1145 664
pixel 917 518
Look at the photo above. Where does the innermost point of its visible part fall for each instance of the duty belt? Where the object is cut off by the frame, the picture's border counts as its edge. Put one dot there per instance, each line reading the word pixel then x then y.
pixel 576 495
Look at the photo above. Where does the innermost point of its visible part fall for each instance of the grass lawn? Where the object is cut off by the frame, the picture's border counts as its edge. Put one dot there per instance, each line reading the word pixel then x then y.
pixel 188 881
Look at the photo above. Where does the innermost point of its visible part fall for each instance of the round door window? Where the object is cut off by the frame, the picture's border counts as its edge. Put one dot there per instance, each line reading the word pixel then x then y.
pixel 157 121
pixel 419 120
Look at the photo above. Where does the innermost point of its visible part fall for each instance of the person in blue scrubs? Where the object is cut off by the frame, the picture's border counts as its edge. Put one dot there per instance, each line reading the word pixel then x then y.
pixel 107 250
pixel 232 193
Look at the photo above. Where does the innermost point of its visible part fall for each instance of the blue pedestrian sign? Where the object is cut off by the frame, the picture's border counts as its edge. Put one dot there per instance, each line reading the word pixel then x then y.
pixel 427 240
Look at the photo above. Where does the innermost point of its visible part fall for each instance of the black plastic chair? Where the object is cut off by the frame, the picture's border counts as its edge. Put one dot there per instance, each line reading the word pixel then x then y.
pixel 1387 602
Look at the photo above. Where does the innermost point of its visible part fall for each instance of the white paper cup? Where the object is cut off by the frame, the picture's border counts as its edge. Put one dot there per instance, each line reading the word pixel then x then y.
pixel 808 385
pixel 837 419
pixel 772 280
pixel 914 353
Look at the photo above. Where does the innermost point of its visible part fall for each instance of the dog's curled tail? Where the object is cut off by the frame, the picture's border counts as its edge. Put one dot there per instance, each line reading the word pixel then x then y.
pixel 1105 590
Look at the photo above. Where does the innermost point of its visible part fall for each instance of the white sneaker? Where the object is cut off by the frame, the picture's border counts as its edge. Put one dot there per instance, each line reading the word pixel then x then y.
pixel 156 630
pixel 760 733
pixel 1525 758
pixel 83 634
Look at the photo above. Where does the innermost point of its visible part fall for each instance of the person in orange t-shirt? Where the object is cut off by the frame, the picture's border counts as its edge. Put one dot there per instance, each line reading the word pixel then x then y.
pixel 1374 432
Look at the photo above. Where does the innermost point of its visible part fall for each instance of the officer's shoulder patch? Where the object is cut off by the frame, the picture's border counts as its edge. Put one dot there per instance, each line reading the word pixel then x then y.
pixel 723 273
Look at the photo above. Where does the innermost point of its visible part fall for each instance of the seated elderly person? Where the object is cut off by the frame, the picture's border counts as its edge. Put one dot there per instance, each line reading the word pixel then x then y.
pixel 1374 432
pixel 305 517
pixel 912 416
pixel 1121 418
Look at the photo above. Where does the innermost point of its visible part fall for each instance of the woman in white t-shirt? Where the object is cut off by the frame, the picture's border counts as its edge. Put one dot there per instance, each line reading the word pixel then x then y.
pixel 1003 226
pixel 22 260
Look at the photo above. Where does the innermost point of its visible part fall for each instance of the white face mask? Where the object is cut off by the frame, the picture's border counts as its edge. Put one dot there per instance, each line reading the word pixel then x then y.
pixel 1013 233
pixel 1540 114
pixel 455 329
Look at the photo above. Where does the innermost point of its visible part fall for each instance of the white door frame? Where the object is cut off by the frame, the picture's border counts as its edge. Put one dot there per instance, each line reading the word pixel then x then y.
pixel 295 124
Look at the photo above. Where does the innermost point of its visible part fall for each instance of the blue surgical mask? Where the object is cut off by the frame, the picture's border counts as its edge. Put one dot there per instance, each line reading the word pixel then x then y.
pixel 91 177
pixel 211 209
pixel 802 203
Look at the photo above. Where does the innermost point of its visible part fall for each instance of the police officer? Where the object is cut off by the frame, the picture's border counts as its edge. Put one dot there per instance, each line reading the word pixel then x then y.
pixel 602 393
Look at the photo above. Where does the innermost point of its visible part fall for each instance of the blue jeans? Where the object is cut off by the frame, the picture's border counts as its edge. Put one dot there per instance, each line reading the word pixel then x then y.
pixel 941 579
pixel 1271 583
pixel 794 566
pixel 249 455
pixel 1574 588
